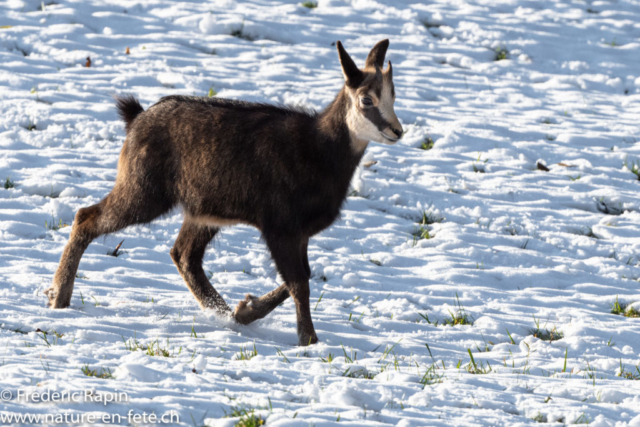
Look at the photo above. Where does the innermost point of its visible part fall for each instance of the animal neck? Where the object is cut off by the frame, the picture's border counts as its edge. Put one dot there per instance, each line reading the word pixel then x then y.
pixel 333 124
pixel 340 149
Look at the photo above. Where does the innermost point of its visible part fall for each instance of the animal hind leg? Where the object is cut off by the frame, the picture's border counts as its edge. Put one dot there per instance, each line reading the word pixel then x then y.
pixel 122 207
pixel 187 254
pixel 253 308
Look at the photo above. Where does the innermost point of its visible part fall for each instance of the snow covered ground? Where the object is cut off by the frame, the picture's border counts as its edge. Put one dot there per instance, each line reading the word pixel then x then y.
pixel 515 252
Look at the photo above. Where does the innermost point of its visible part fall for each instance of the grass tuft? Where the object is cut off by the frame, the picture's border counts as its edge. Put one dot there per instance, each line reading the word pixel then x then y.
pixel 633 167
pixel 617 308
pixel 460 317
pixel 486 347
pixel 328 359
pixel 246 415
pixel 631 312
pixel 474 368
pixel 8 183
pixel 501 53
pixel 353 357
pixel 45 334
pixel 132 344
pixel 427 143
pixel 422 230
pixel 284 358
pixel 103 374
pixel 310 4
pixel 629 375
pixel 624 309
pixel 247 354
pixel 539 418
pixel 358 373
pixel 582 419
pixel 478 164
pixel 546 334
pixel 154 349
pixel 431 377
pixel 428 218
pixel 31 126
pixel 55 226
pixel 319 299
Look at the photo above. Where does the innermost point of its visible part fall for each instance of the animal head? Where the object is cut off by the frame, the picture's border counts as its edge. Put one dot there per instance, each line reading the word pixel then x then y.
pixel 370 115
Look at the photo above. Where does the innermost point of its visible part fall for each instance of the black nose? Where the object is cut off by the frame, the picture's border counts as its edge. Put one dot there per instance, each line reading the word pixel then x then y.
pixel 397 132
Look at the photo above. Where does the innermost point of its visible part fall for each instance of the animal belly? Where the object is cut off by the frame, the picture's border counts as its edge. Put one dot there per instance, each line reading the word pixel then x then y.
pixel 213 221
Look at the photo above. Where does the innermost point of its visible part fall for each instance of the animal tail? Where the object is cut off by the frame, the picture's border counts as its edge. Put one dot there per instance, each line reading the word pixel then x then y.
pixel 128 109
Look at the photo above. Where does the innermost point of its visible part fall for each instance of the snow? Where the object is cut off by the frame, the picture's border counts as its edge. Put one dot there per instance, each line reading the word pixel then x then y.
pixel 511 244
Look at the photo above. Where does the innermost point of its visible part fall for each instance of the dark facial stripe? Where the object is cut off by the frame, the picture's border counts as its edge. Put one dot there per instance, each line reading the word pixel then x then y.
pixel 373 115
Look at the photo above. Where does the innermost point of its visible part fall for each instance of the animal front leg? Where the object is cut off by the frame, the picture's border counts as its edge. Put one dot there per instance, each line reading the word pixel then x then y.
pixel 306 332
pixel 290 256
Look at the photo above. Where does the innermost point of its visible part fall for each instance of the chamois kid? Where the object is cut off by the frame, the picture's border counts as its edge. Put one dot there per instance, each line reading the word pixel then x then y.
pixel 283 170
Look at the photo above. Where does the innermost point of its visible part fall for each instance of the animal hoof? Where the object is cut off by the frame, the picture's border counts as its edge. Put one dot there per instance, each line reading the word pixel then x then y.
pixel 306 340
pixel 51 295
pixel 54 301
pixel 244 312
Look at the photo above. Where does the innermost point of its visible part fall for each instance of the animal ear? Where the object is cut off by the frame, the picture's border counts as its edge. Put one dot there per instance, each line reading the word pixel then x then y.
pixel 389 71
pixel 376 56
pixel 378 72
pixel 352 74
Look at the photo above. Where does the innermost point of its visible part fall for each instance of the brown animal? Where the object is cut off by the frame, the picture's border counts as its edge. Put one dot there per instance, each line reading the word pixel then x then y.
pixel 283 170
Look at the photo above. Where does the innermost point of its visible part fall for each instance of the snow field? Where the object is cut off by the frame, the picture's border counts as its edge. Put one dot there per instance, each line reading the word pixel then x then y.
pixel 514 253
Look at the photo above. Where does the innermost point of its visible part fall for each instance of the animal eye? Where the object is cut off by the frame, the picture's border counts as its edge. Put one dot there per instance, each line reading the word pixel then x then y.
pixel 367 102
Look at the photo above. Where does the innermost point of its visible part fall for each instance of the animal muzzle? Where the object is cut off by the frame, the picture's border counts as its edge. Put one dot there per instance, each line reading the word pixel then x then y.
pixel 392 134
